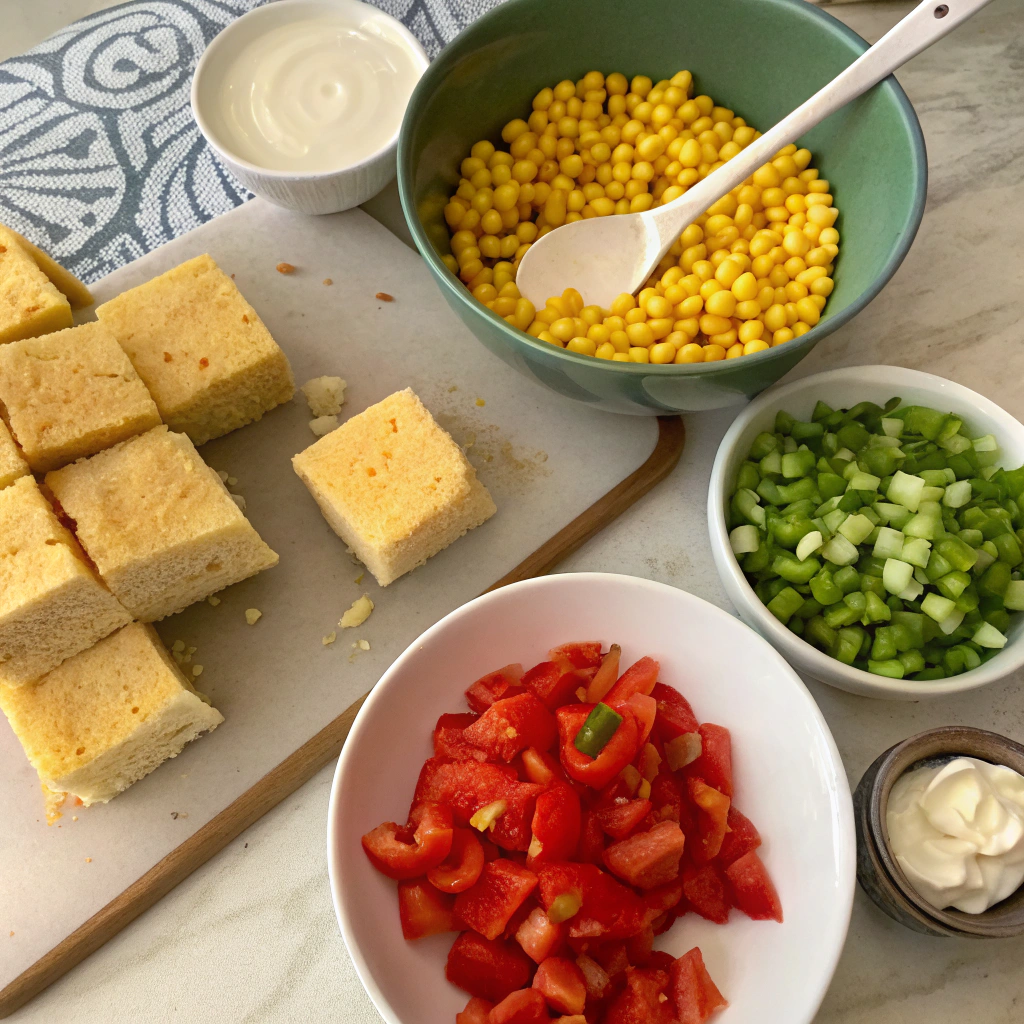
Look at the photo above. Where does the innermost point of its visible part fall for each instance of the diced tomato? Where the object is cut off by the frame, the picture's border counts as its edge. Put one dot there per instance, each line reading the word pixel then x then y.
pixel 639 1002
pixel 449 741
pixel 541 767
pixel 505 682
pixel 620 819
pixel 553 683
pixel 753 891
pixel 612 956
pixel 675 716
pixel 595 772
pixel 477 1011
pixel 526 1006
pixel 487 969
pixel 667 796
pixel 591 846
pixel 664 897
pixel 648 859
pixel 424 911
pixel 640 677
pixel 644 709
pixel 511 725
pixel 462 867
pixel 712 820
pixel 641 945
pixel 695 995
pixel 466 786
pixel 714 765
pixel 408 851
pixel 501 889
pixel 556 825
pixel 561 983
pixel 705 892
pixel 609 910
pixel 583 654
pixel 741 838
pixel 539 936
pixel 595 977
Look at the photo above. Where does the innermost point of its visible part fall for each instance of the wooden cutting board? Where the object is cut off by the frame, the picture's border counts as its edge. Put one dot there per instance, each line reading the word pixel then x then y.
pixel 558 472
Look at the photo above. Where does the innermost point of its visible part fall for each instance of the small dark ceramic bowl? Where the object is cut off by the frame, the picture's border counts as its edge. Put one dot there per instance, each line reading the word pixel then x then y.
pixel 877 869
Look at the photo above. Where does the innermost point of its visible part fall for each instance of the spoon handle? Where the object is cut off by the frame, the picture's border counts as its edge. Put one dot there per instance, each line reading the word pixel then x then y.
pixel 926 24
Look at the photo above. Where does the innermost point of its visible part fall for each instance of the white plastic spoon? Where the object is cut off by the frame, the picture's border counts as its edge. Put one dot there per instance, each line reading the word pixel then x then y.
pixel 605 256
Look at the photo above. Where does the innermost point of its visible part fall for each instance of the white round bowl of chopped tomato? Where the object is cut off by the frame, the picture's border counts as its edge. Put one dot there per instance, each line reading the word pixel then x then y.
pixel 594 799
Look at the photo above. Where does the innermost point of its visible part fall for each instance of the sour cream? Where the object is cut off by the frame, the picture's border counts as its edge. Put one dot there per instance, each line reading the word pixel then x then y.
pixel 319 93
pixel 957 832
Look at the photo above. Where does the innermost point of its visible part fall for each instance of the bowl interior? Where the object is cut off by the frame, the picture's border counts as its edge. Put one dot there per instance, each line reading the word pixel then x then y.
pixel 841 389
pixel 871 152
pixel 789 780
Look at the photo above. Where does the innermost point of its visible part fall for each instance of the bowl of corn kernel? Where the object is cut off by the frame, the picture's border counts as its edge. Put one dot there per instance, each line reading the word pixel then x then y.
pixel 541 114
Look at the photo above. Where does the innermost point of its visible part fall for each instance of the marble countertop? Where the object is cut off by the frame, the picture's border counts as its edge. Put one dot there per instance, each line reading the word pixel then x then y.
pixel 251 936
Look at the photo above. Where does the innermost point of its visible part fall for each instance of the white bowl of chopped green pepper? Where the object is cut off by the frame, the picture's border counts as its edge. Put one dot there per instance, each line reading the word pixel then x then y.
pixel 878 546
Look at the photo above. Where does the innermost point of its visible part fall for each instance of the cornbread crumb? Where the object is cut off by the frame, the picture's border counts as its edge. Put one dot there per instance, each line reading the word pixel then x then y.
pixel 193 313
pixel 325 395
pixel 30 304
pixel 107 717
pixel 88 860
pixel 197 670
pixel 179 536
pixel 328 281
pixel 394 486
pixel 285 268
pixel 323 425
pixel 480 402
pixel 222 473
pixel 232 480
pixel 238 500
pixel 358 613
pixel 253 615
pixel 330 638
pixel 364 645
pixel 384 297
pixel 178 646
pixel 213 600
pixel 74 817
pixel 52 605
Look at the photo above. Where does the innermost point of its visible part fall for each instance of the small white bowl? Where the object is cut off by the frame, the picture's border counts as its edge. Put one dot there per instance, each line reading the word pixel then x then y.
pixel 788 778
pixel 842 389
pixel 306 192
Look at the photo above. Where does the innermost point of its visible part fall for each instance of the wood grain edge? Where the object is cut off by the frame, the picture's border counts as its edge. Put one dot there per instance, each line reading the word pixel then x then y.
pixel 300 766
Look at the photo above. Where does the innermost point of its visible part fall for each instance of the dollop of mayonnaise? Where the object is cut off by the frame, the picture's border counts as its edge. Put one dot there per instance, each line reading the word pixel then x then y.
pixel 957 831
pixel 318 94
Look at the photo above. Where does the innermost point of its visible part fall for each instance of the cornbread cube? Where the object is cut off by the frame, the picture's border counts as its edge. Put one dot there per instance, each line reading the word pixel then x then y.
pixel 64 281
pixel 51 603
pixel 12 465
pixel 108 716
pixel 158 523
pixel 394 486
pixel 201 349
pixel 71 394
pixel 30 304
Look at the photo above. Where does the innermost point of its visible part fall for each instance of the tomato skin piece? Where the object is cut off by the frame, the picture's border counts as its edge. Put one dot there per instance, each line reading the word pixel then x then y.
pixel 561 984
pixel 714 765
pixel 712 819
pixel 675 716
pixel 539 936
pixel 505 682
pixel 487 969
pixel 511 725
pixel 462 867
pixel 477 1011
pixel 640 677
pixel 741 838
pixel 581 654
pixel 648 859
pixel 753 891
pixel 449 741
pixel 424 911
pixel 553 683
pixel 556 824
pixel 695 995
pixel 541 767
pixel 621 819
pixel 525 1006
pixel 430 830
pixel 609 909
pixel 644 709
pixel 502 888
pixel 592 842
pixel 705 892
pixel 595 772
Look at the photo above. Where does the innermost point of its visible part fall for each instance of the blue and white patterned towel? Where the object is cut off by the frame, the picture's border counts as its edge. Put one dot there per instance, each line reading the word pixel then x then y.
pixel 100 159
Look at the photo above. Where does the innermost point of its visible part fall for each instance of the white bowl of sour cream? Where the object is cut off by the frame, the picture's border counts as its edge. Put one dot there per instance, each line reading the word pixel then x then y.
pixel 302 100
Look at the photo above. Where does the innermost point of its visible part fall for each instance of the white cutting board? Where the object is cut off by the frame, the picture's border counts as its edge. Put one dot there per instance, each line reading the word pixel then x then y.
pixel 544 459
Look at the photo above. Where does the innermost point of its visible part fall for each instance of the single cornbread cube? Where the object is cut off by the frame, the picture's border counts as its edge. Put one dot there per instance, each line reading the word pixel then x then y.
pixel 108 716
pixel 12 465
pixel 51 603
pixel 70 394
pixel 394 486
pixel 74 291
pixel 30 304
pixel 158 523
pixel 201 349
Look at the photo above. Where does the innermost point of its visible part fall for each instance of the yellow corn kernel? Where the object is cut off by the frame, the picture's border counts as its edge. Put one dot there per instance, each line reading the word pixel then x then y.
pixel 451 263
pixel 657 306
pixel 599 334
pixel 574 300
pixel 818 300
pixel 619 340
pixel 734 351
pixel 818 257
pixel 564 328
pixel 690 326
pixel 689 307
pixel 635 316
pixel 640 335
pixel 615 323
pixel 722 303
pixel 620 357
pixel 782 336
pixel 796 243
pixel 709 288
pixel 823 216
pixel 583 346
pixel 690 353
pixel 752 330
pixel 605 351
pixel 663 352
pixel 711 324
pixel 524 313
pixel 713 353
pixel 727 339
pixel 757 345
pixel 822 287
pixel 795 291
pixel 775 317
pixel 660 327
pixel 778 278
pixel 810 275
pixel 622 304
pixel 639 355
pixel 744 287
pixel 793 266
pixel 550 339
pixel 747 310
pixel 828 236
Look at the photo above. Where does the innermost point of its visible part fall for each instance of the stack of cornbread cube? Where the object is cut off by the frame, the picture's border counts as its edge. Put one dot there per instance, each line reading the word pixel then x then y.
pixel 109 517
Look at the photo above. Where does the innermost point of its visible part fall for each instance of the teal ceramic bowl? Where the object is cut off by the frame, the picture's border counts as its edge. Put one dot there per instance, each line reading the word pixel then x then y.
pixel 761 58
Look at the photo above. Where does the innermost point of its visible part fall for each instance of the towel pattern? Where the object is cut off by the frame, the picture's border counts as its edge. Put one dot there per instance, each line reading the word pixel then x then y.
pixel 100 158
